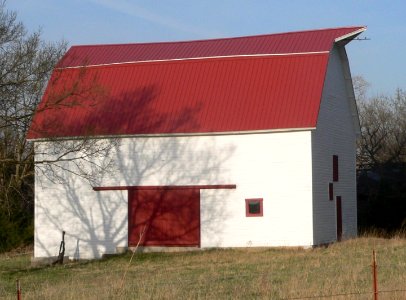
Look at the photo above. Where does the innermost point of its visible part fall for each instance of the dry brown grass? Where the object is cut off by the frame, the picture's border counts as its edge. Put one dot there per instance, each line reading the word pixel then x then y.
pixel 219 274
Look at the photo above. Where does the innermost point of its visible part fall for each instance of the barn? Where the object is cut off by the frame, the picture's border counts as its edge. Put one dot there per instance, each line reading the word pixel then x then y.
pixel 232 142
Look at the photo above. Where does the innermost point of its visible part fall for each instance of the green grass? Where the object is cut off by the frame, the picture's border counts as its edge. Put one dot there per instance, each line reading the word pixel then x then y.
pixel 271 273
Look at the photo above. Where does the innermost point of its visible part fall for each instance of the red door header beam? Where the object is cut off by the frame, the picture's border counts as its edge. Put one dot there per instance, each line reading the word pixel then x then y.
pixel 167 187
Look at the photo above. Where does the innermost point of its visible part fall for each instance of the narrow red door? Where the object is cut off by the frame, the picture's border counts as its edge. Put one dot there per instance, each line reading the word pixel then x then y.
pixel 164 217
pixel 339 218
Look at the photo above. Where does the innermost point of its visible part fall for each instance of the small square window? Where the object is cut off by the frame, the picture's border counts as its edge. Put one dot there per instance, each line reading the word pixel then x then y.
pixel 254 207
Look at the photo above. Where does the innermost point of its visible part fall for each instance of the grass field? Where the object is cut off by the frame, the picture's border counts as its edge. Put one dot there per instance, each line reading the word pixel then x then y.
pixel 249 273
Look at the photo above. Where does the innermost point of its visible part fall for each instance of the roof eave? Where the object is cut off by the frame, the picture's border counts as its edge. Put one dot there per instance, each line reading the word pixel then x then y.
pixel 345 39
pixel 154 135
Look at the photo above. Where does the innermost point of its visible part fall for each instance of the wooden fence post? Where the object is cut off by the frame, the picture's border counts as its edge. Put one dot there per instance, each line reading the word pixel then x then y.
pixel 375 275
pixel 18 289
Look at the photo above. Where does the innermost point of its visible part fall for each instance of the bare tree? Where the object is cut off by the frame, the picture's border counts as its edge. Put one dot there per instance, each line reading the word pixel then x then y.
pixel 26 64
pixel 381 159
pixel 360 88
pixel 383 127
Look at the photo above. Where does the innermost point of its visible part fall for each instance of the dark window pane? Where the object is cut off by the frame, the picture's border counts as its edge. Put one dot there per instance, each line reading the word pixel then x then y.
pixel 254 207
pixel 335 168
pixel 330 191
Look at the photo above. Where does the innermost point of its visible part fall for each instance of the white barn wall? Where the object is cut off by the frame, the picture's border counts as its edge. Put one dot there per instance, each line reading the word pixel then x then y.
pixel 335 135
pixel 94 225
pixel 273 166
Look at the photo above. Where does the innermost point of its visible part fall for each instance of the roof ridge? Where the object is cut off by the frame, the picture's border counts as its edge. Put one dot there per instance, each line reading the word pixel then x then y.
pixel 175 60
pixel 218 39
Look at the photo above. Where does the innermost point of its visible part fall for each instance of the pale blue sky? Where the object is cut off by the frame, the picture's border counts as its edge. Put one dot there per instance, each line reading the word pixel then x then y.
pixel 382 60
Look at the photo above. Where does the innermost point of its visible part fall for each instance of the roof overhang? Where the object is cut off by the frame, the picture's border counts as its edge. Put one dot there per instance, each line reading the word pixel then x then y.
pixel 159 135
pixel 345 39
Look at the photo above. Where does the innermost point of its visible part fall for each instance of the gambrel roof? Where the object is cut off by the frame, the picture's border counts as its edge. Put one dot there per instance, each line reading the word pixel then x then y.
pixel 256 83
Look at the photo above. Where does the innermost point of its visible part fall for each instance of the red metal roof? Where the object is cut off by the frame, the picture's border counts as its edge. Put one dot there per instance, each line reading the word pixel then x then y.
pixel 291 42
pixel 219 95
pixel 227 94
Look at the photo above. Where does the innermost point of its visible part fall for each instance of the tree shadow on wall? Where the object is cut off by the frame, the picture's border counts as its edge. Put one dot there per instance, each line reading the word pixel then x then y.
pixel 96 221
pixel 180 161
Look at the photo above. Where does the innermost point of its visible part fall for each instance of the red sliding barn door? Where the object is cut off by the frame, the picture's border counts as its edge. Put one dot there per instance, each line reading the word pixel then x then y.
pixel 164 217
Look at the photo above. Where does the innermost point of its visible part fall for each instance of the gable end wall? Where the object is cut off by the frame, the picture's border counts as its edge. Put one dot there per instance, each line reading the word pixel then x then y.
pixel 335 135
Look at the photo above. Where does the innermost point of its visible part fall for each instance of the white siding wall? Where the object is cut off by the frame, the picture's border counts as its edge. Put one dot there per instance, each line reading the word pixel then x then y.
pixel 273 166
pixel 335 135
